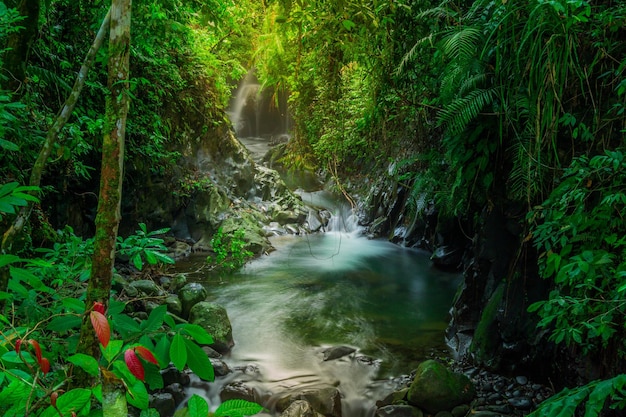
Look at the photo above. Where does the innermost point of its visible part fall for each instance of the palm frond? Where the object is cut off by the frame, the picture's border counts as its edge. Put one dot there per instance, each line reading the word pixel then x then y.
pixel 409 56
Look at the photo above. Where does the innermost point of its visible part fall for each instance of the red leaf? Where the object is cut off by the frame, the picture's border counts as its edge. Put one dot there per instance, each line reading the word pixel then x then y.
pixel 99 307
pixel 101 326
pixel 18 345
pixel 45 365
pixel 146 354
pixel 134 364
pixel 37 348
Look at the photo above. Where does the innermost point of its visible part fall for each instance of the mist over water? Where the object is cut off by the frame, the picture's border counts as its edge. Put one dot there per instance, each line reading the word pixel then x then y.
pixel 330 289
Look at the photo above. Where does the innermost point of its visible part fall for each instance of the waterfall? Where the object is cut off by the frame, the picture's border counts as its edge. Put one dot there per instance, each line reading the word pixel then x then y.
pixel 257 112
pixel 245 104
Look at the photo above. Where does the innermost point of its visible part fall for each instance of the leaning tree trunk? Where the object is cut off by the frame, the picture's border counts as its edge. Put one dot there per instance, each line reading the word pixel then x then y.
pixel 111 174
pixel 51 138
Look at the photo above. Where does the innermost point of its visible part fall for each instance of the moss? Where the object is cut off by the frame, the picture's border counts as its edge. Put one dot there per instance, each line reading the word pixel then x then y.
pixel 486 335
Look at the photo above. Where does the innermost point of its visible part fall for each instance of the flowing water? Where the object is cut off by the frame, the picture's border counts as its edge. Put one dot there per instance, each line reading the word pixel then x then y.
pixel 330 289
pixel 336 288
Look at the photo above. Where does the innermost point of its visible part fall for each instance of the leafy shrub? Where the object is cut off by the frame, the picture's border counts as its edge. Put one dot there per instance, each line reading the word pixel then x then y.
pixel 230 254
pixel 580 233
pixel 144 247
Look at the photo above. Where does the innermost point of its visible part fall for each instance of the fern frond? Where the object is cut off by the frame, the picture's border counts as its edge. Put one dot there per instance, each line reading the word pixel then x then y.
pixel 462 45
pixel 458 114
pixel 408 57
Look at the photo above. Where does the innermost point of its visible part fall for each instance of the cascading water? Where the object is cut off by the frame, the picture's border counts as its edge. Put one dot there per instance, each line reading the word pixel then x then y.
pixel 323 290
pixel 260 117
pixel 330 289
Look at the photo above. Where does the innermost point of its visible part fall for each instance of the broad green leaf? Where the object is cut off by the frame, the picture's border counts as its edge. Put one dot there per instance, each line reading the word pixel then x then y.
pixel 137 394
pixel 198 333
pixel 8 259
pixel 73 400
pixel 197 406
pixel 64 323
pixel 238 408
pixel 150 413
pixel 112 350
pixel 88 363
pixel 155 320
pixel 73 304
pixel 162 350
pixel 126 326
pixel 178 352
pixel 198 361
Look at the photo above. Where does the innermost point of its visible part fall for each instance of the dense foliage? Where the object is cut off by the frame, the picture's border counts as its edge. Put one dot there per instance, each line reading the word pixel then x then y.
pixel 476 104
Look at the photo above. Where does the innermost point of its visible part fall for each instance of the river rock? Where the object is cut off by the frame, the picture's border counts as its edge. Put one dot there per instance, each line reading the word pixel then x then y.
pixel 337 352
pixel 401 410
pixel 435 388
pixel 237 391
pixel 179 250
pixel 147 287
pixel 174 304
pixel 326 401
pixel 300 408
pixel 214 319
pixel 190 295
pixel 163 402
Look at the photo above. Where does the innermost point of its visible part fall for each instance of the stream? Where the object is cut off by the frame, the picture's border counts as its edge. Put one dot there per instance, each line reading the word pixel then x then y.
pixel 325 290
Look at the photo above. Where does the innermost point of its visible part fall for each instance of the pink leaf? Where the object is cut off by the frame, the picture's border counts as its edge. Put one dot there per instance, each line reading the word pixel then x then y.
pixel 101 326
pixel 134 364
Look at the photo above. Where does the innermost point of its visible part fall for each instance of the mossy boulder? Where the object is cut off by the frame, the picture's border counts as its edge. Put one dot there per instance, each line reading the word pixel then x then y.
pixel 214 319
pixel 190 295
pixel 436 388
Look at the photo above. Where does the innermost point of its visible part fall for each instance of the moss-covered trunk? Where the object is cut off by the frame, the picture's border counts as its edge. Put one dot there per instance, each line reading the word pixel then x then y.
pixel 108 216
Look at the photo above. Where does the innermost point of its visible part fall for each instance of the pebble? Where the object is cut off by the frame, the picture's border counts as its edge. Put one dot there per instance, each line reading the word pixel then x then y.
pixel 522 380
pixel 521 403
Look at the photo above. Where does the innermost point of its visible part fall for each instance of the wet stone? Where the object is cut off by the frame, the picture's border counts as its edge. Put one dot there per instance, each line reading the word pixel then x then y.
pixel 522 380
pixel 521 403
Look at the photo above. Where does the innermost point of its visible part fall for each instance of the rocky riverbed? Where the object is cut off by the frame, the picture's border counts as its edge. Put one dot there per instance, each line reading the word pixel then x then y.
pixel 476 392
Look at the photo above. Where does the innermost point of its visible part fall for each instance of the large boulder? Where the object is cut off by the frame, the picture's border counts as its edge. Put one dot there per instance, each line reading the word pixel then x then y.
pixel 190 295
pixel 214 319
pixel 300 408
pixel 435 388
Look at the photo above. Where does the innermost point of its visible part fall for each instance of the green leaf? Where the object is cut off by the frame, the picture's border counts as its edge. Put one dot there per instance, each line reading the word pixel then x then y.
pixel 74 400
pixel 198 333
pixel 238 408
pixel 126 326
pixel 155 320
pixel 74 305
pixel 178 352
pixel 150 413
pixel 198 361
pixel 8 259
pixel 137 262
pixel 88 363
pixel 137 394
pixel 64 323
pixel 348 24
pixel 162 350
pixel 112 350
pixel 197 406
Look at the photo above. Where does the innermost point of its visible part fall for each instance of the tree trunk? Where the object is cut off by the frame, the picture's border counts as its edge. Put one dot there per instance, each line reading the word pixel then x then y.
pixel 19 44
pixel 108 215
pixel 51 138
